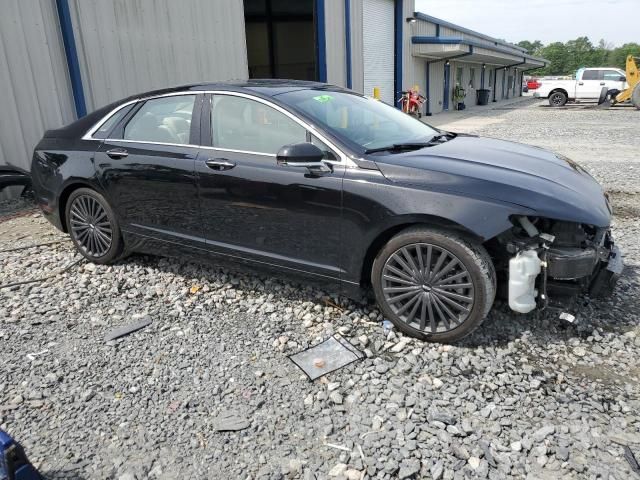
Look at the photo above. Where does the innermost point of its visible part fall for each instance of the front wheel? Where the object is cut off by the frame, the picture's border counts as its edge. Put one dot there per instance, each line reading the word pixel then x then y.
pixel 557 99
pixel 434 285
pixel 93 226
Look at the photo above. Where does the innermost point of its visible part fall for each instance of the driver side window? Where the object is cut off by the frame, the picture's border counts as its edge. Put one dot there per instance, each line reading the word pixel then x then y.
pixel 240 123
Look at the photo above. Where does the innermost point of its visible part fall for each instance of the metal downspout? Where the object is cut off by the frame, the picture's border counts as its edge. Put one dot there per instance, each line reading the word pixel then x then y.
pixel 73 65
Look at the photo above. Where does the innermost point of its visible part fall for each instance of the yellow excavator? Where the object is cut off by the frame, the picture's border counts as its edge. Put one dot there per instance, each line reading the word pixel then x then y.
pixel 631 93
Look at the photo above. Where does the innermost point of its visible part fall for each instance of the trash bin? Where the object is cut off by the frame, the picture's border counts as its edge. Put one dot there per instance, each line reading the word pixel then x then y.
pixel 483 96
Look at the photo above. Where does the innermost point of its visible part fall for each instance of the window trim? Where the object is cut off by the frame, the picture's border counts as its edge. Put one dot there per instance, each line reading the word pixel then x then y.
pixel 194 129
pixel 99 123
pixel 343 158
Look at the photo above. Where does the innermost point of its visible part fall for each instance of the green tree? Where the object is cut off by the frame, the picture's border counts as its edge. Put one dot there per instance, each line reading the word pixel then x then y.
pixel 532 48
pixel 580 53
pixel 566 58
pixel 618 56
pixel 558 56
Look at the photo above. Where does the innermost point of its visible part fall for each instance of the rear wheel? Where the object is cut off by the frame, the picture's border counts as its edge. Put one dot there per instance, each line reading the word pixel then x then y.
pixel 93 226
pixel 557 99
pixel 433 284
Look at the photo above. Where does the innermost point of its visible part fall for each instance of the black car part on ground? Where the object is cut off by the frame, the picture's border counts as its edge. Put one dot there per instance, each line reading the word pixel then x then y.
pixel 13 176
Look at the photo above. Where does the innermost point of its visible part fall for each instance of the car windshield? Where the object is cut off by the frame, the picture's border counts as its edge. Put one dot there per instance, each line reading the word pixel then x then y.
pixel 363 121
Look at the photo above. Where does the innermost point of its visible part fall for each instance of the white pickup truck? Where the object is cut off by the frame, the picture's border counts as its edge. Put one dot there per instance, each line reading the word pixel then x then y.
pixel 587 87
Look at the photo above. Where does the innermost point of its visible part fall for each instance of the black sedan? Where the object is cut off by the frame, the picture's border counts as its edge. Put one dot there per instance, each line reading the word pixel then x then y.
pixel 318 181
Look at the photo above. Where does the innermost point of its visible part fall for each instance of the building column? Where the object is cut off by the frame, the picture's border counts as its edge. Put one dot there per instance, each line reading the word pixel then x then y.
pixel 73 65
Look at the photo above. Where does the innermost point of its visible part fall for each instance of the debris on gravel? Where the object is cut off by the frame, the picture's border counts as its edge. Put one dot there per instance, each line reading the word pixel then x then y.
pixel 526 396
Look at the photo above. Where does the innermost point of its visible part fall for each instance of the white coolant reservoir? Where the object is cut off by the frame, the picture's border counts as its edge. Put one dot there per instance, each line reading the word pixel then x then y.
pixel 523 270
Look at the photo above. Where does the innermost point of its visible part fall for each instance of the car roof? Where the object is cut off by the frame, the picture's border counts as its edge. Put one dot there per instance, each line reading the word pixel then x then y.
pixel 268 87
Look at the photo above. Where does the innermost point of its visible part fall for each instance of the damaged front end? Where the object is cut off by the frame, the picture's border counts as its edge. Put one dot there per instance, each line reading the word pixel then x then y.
pixel 550 262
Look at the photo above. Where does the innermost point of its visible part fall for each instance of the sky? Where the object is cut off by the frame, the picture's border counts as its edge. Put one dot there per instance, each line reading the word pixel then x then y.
pixel 546 20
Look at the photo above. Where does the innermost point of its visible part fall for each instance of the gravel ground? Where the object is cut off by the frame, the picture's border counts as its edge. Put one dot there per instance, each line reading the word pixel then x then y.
pixel 526 396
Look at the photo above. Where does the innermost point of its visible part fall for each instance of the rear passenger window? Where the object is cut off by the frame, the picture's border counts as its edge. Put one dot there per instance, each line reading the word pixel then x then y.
pixel 162 120
pixel 111 122
pixel 592 75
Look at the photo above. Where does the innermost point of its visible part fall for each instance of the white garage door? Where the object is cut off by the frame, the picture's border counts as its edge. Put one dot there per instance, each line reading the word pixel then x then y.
pixel 378 24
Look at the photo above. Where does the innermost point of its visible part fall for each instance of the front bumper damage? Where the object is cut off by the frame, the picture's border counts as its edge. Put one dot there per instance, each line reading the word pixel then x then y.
pixel 543 273
pixel 606 278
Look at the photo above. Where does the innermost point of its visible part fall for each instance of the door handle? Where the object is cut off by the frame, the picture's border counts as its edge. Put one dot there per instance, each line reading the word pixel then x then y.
pixel 601 83
pixel 220 164
pixel 117 153
pixel 581 83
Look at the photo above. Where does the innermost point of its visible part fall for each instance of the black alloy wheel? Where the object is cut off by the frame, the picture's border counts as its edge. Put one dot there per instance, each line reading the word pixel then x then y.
pixel 92 226
pixel 433 284
pixel 427 287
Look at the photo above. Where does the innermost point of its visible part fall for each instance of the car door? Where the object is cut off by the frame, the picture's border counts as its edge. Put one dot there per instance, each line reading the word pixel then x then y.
pixel 614 80
pixel 254 209
pixel 147 168
pixel 590 85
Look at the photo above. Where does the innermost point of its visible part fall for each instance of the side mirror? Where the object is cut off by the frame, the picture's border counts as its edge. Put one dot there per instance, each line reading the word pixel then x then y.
pixel 305 155
pixel 622 78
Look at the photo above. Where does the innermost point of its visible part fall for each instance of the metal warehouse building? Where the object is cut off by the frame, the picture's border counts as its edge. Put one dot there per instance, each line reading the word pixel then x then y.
pixel 62 58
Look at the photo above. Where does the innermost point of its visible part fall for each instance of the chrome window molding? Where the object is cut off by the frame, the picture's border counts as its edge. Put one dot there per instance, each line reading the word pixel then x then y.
pixel 344 159
pixel 239 151
pixel 152 143
pixel 99 123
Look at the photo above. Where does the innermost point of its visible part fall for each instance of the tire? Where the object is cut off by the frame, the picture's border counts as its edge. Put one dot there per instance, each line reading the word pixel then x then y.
pixel 604 92
pixel 557 99
pixel 93 227
pixel 469 265
pixel 611 95
pixel 635 96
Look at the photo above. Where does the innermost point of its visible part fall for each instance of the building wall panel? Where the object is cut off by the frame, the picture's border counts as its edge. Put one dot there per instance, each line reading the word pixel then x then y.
pixel 34 80
pixel 335 40
pixel 357 47
pixel 127 47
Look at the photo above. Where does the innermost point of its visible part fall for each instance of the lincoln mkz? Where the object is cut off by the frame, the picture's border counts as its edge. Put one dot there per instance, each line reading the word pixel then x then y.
pixel 320 182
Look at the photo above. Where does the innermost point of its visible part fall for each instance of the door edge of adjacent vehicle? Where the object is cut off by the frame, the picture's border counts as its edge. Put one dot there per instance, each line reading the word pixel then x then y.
pixel 344 158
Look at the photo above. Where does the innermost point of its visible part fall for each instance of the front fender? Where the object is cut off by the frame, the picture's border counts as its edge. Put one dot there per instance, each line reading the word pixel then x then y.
pixel 375 207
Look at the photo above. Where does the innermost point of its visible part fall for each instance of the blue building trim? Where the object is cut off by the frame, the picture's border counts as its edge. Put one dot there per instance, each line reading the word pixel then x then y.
pixel 347 40
pixel 73 65
pixel 321 41
pixel 447 76
pixel 399 21
pixel 447 81
pixel 427 93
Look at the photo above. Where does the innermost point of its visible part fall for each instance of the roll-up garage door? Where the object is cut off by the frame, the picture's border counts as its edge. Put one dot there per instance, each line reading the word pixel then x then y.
pixel 378 25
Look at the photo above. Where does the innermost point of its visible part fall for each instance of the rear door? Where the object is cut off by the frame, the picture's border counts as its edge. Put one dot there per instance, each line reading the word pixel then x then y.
pixel 256 210
pixel 147 168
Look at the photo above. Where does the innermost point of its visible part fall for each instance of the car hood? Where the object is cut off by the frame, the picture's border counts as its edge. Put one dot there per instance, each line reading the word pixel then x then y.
pixel 549 184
